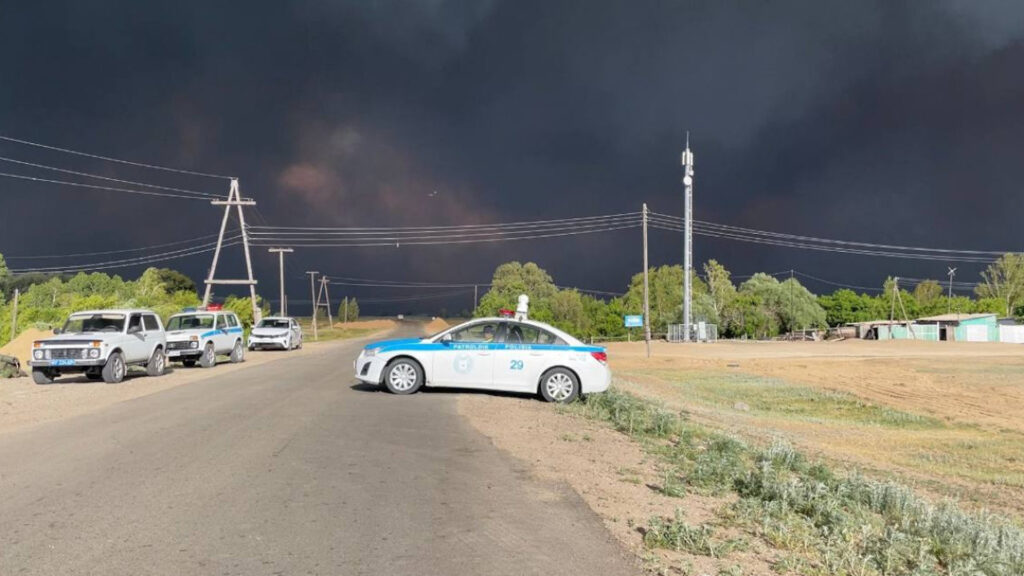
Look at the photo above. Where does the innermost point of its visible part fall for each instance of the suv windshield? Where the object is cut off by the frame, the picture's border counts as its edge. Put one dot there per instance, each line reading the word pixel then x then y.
pixel 191 322
pixel 273 323
pixel 82 323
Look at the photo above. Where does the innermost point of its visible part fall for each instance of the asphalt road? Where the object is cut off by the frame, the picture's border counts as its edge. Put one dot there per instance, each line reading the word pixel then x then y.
pixel 286 468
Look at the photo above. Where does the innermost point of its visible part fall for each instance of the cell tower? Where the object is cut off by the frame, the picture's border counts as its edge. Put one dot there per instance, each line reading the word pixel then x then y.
pixel 688 240
pixel 234 199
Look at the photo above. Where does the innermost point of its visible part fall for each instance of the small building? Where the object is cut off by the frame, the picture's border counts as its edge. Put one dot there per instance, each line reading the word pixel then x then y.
pixel 964 327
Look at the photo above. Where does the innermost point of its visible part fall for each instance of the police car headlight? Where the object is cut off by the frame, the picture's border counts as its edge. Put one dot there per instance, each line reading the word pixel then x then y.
pixel 37 354
pixel 94 353
pixel 371 352
pixel 193 344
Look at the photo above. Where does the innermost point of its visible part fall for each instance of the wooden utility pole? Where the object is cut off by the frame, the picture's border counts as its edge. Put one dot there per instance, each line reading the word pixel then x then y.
pixel 346 310
pixel 14 316
pixel 474 297
pixel 647 302
pixel 234 199
pixel 327 298
pixel 312 295
pixel 283 309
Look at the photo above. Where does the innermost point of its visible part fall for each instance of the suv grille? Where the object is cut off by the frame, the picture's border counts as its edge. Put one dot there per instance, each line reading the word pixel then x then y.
pixel 177 345
pixel 59 353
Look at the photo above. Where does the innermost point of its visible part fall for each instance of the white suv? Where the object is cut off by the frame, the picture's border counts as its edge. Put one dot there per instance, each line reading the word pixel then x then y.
pixel 101 344
pixel 198 337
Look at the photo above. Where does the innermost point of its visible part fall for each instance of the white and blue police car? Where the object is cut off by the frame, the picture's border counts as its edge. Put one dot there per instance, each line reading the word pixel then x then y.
pixel 512 354
pixel 199 335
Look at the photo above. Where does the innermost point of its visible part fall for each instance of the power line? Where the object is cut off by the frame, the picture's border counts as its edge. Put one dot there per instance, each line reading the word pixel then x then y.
pixel 97 176
pixel 95 187
pixel 723 228
pixel 109 159
pixel 149 259
pixel 824 248
pixel 108 252
pixel 435 240
pixel 347 229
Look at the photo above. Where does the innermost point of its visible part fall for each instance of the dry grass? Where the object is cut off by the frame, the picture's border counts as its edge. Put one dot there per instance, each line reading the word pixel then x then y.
pixel 946 419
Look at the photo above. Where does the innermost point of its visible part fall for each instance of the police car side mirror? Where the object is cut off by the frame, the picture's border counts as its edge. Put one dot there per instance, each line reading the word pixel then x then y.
pixel 56 330
pixel 446 339
pixel 134 329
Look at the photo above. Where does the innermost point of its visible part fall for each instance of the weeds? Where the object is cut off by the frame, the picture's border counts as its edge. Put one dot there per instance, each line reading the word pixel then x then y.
pixel 843 524
pixel 676 534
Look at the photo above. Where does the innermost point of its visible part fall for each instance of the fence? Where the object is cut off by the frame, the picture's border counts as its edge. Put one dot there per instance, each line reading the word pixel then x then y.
pixel 699 332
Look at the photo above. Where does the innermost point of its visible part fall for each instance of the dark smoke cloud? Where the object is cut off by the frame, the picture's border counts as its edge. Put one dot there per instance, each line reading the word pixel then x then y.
pixel 878 121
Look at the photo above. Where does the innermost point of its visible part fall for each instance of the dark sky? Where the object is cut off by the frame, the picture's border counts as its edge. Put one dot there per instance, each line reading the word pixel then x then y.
pixel 879 121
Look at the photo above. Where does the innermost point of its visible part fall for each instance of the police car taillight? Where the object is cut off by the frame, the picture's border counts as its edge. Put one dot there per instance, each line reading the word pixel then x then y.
pixel 601 357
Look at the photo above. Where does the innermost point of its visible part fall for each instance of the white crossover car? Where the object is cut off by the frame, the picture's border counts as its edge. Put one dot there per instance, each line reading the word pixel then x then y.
pixel 199 336
pixel 276 332
pixel 101 344
pixel 489 354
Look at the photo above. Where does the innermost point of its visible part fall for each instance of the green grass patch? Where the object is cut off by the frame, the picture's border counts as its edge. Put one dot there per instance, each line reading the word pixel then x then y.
pixel 778 399
pixel 835 524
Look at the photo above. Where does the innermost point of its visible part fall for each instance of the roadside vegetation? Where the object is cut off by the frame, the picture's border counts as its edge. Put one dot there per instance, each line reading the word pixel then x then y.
pixel 819 520
pixel 47 301
pixel 762 306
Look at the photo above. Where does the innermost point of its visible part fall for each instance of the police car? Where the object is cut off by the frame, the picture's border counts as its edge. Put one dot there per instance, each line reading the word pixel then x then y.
pixel 512 354
pixel 199 335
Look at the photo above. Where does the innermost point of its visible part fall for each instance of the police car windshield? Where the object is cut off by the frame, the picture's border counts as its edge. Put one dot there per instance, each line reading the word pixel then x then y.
pixel 83 323
pixel 272 323
pixel 191 322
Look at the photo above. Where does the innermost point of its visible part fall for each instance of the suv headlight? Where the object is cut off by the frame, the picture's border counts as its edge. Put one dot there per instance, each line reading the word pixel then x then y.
pixel 37 354
pixel 193 344
pixel 94 353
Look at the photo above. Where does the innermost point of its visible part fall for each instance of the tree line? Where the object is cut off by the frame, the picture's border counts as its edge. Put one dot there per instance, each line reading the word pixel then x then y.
pixel 760 307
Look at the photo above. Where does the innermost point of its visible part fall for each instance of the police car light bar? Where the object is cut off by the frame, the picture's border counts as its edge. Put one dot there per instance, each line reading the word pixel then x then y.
pixel 505 313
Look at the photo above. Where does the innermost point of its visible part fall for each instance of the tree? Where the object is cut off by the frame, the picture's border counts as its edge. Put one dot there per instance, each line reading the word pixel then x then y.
pixel 512 279
pixel 1004 279
pixel 722 294
pixel 666 297
pixel 5 278
pixel 175 281
pixel 568 313
pixel 846 306
pixel 349 313
pixel 930 298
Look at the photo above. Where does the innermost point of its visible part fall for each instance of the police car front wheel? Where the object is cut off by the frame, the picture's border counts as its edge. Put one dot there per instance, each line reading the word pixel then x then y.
pixel 559 385
pixel 403 377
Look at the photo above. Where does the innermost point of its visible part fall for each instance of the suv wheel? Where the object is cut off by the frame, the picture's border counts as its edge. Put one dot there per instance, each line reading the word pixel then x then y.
pixel 238 353
pixel 115 369
pixel 42 376
pixel 157 363
pixel 209 357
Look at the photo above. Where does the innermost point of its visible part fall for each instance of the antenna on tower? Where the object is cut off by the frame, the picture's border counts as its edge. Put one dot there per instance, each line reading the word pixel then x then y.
pixel 687 239
pixel 949 297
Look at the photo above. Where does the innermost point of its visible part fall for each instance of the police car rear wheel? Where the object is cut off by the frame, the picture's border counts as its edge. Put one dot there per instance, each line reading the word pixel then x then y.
pixel 403 377
pixel 559 385
pixel 209 357
pixel 237 353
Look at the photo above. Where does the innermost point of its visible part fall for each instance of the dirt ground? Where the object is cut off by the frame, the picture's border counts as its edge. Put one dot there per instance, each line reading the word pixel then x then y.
pixel 381 324
pixel 968 382
pixel 435 325
pixel 947 418
pixel 21 347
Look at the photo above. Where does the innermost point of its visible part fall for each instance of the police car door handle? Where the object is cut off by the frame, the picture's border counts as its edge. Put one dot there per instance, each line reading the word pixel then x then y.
pixel 483 353
pixel 536 353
